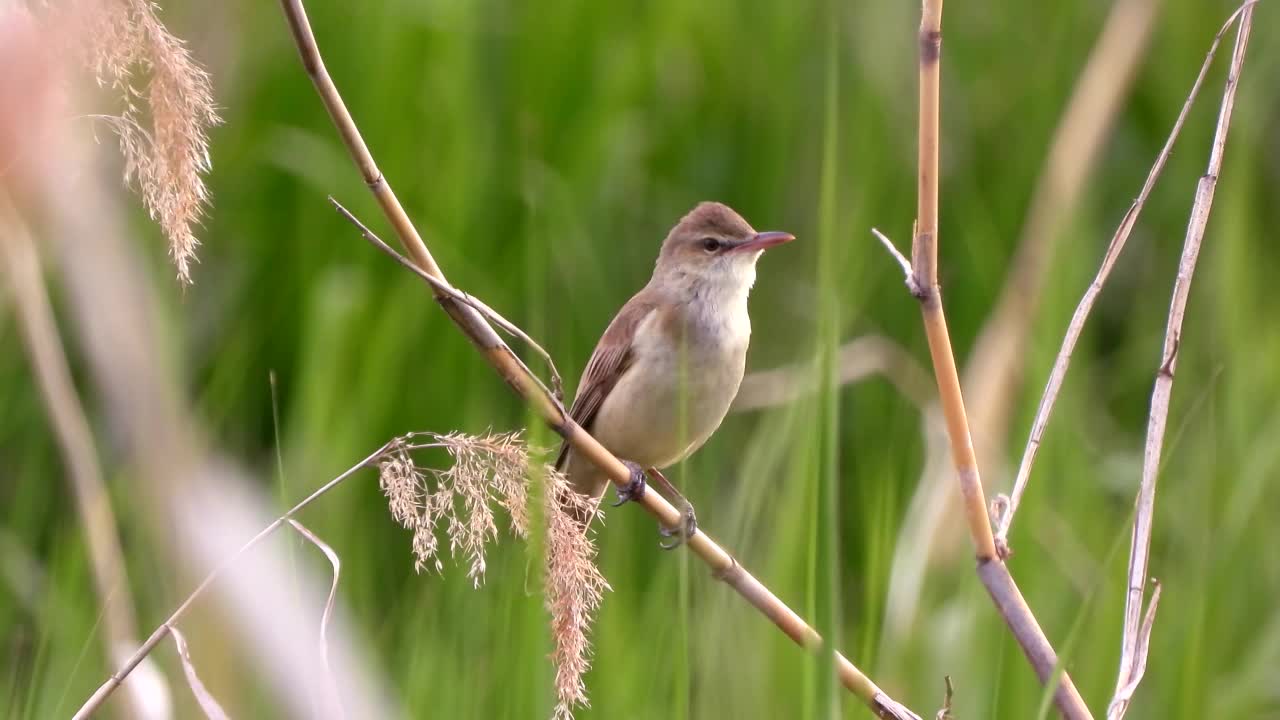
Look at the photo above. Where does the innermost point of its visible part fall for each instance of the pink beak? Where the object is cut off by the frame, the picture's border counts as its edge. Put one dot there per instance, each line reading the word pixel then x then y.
pixel 763 241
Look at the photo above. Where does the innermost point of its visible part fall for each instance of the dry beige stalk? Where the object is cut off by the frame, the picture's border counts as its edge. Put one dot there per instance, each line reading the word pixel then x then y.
pixel 166 111
pixel 1137 630
pixel 31 108
pixel 20 265
pixel 145 406
pixel 475 303
pixel 923 284
pixel 1004 507
pixel 992 373
pixel 922 280
pixel 104 691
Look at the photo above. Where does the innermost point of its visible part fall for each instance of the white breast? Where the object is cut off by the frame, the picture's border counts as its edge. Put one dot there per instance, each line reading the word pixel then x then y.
pixel 674 395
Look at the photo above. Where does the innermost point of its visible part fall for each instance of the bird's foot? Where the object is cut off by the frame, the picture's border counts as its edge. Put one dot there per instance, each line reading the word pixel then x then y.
pixel 634 489
pixel 681 533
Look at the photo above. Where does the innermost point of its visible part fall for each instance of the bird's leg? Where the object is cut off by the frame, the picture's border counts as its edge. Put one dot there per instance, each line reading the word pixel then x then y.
pixel 689 522
pixel 634 489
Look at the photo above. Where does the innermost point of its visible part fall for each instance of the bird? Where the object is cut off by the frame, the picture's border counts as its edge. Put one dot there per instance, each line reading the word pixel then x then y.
pixel 664 373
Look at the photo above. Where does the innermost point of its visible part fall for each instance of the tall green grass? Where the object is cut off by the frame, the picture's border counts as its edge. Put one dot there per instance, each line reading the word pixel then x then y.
pixel 545 149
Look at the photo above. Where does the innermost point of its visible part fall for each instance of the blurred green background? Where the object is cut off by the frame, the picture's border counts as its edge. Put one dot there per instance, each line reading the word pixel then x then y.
pixel 544 150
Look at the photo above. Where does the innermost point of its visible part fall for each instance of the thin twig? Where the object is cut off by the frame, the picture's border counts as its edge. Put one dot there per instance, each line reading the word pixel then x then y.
pixel 472 323
pixel 101 694
pixel 945 712
pixel 1133 646
pixel 924 256
pixel 440 286
pixel 1009 505
pixel 909 277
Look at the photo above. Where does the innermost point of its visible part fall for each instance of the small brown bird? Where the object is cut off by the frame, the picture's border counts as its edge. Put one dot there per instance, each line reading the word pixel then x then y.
pixel 662 377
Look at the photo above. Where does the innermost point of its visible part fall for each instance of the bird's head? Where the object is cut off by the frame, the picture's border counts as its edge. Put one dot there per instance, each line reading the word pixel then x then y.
pixel 714 245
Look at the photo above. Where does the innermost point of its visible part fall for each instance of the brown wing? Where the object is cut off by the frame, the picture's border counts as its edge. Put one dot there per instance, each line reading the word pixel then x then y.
pixel 608 362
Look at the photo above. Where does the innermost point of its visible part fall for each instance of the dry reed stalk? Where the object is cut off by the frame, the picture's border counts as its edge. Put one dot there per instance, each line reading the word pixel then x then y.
pixel 923 283
pixel 1004 508
pixel 75 440
pixel 166 627
pixel 525 384
pixel 922 280
pixel 1137 630
pixel 104 691
pixel 996 364
pixel 485 470
pixel 440 286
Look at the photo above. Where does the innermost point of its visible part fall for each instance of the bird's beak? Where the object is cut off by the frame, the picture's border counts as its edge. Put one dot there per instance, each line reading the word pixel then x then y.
pixel 764 240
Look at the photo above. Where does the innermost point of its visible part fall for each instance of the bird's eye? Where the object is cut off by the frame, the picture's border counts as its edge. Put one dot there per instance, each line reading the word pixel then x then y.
pixel 710 244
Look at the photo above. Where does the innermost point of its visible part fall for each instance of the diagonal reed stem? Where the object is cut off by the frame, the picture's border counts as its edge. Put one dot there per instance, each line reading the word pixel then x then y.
pixel 472 323
pixel 1009 507
pixel 104 691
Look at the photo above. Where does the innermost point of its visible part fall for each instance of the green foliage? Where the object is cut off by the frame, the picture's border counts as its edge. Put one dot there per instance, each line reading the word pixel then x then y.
pixel 544 149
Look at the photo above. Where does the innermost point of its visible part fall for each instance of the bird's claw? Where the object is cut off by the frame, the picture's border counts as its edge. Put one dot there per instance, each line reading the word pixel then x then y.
pixel 634 489
pixel 681 534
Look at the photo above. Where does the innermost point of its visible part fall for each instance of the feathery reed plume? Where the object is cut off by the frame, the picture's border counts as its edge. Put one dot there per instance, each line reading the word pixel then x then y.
pixel 491 470
pixel 167 110
pixel 574 589
pixel 486 470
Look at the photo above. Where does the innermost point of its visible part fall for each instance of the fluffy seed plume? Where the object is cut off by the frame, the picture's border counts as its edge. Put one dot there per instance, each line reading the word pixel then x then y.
pixel 574 588
pixel 166 111
pixel 487 472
